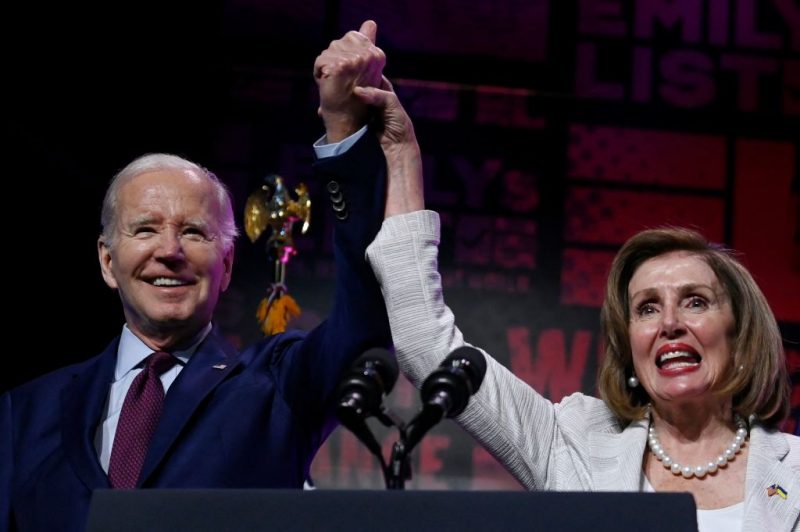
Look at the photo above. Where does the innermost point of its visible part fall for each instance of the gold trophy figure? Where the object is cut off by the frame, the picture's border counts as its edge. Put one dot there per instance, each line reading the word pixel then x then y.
pixel 271 206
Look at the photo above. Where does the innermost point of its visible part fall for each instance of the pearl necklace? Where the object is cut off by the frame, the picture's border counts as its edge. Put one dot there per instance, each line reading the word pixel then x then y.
pixel 699 471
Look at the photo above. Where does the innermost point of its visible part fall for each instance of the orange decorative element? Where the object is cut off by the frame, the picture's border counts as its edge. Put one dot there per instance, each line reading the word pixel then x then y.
pixel 275 312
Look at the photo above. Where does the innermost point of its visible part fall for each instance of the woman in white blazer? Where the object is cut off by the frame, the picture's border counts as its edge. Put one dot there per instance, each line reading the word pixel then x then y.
pixel 693 382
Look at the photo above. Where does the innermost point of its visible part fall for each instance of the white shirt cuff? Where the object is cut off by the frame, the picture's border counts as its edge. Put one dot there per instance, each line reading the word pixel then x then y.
pixel 323 149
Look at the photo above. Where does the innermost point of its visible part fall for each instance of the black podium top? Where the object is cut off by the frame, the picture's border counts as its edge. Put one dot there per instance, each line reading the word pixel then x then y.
pixel 387 511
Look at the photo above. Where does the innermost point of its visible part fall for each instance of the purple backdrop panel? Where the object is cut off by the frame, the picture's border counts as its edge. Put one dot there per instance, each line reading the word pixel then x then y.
pixel 502 243
pixel 290 21
pixel 611 216
pixel 583 276
pixel 428 100
pixel 647 157
pixel 507 107
pixel 504 29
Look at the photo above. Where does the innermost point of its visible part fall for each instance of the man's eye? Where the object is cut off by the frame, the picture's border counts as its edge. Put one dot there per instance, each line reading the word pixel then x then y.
pixel 194 232
pixel 144 230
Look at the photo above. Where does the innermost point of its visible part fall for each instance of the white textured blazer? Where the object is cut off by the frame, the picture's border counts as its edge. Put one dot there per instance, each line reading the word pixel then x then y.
pixel 575 445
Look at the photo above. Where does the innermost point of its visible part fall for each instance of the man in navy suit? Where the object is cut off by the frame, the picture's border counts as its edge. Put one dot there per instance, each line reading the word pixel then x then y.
pixel 229 420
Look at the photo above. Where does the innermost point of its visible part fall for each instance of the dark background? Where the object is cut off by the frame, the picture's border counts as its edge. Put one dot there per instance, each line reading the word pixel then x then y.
pixel 552 131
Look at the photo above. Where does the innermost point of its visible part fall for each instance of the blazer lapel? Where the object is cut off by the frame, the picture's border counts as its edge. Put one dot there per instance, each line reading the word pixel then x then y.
pixel 82 403
pixel 214 361
pixel 616 459
pixel 765 509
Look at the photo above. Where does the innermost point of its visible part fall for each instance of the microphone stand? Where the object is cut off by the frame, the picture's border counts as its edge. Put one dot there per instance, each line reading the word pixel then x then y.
pixel 410 435
pixel 398 470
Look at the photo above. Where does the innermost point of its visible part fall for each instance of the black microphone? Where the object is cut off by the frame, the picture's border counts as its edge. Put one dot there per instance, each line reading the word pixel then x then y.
pixel 446 391
pixel 361 392
pixel 372 376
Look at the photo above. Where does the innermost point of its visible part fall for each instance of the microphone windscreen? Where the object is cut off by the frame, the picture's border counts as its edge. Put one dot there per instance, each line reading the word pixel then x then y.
pixel 475 366
pixel 383 362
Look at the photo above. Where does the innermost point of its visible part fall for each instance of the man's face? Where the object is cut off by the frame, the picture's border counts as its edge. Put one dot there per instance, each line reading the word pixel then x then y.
pixel 168 261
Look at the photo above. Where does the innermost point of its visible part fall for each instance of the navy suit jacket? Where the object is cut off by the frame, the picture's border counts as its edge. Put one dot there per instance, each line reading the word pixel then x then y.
pixel 230 420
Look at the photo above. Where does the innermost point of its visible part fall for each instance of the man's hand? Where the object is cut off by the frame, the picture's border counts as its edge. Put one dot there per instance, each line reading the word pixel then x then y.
pixel 350 62
pixel 349 74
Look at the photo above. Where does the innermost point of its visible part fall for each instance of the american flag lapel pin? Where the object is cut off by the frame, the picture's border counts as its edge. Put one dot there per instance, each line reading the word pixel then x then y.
pixel 219 366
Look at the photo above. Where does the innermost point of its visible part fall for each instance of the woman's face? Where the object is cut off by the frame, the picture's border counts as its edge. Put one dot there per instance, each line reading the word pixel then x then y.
pixel 681 326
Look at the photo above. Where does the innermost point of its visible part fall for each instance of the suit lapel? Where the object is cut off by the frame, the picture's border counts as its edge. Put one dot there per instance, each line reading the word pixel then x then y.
pixel 765 468
pixel 214 361
pixel 616 459
pixel 82 403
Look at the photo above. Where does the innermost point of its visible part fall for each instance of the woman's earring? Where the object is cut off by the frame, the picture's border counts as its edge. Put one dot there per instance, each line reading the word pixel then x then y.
pixel 633 382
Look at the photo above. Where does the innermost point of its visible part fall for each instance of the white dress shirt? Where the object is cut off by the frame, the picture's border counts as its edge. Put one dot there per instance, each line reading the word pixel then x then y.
pixel 130 358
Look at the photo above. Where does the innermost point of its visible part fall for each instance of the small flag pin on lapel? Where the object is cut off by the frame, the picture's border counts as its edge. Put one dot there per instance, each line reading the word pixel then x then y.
pixel 219 366
pixel 778 490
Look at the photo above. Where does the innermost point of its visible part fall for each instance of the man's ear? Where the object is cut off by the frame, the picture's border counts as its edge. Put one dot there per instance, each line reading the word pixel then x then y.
pixel 104 255
pixel 227 263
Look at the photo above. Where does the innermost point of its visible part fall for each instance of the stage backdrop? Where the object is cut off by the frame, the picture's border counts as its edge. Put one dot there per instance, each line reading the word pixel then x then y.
pixel 551 132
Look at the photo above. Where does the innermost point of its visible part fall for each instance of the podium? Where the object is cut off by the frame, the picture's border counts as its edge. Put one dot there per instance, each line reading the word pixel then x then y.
pixel 163 510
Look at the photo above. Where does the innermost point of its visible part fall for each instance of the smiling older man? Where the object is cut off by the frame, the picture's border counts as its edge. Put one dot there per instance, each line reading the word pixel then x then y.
pixel 169 404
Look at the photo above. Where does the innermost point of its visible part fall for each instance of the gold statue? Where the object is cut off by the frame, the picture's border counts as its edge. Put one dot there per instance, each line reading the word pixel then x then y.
pixel 271 206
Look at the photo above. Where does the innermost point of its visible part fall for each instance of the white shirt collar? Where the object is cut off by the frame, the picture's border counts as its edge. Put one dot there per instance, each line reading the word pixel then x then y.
pixel 132 350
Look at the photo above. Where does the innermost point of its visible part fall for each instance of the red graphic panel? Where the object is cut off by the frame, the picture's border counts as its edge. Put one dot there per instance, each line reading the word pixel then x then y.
pixel 765 221
pixel 583 276
pixel 559 363
pixel 646 157
pixel 612 216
